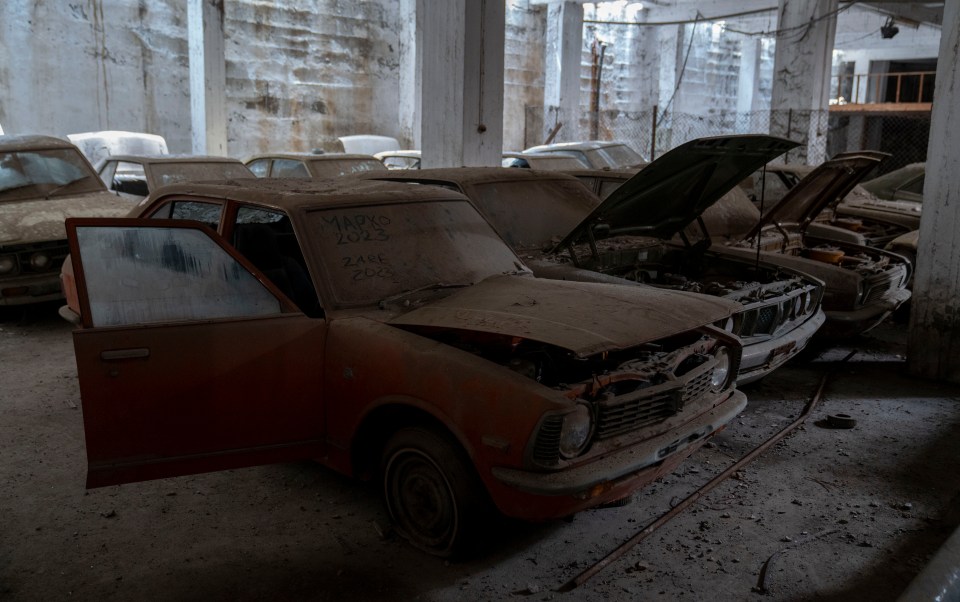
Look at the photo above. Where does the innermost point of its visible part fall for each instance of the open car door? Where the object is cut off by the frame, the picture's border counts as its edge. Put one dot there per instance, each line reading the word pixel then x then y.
pixel 189 359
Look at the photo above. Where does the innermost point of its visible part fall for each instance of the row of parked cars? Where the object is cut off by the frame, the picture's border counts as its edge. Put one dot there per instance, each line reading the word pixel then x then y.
pixel 480 340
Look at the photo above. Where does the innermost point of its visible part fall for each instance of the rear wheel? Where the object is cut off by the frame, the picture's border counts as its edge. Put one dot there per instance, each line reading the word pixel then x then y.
pixel 432 492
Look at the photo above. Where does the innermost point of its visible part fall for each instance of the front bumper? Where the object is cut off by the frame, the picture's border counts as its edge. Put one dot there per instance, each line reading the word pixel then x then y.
pixel 547 495
pixel 34 288
pixel 859 321
pixel 760 359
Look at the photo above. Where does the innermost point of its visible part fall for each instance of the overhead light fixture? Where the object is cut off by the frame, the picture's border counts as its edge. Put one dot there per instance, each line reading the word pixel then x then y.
pixel 888 29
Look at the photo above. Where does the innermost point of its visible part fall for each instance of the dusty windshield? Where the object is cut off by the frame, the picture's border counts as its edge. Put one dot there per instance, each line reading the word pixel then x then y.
pixel 534 214
pixel 45 173
pixel 372 253
pixel 172 173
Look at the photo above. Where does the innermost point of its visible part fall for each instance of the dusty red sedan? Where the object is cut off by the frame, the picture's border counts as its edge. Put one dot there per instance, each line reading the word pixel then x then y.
pixel 387 331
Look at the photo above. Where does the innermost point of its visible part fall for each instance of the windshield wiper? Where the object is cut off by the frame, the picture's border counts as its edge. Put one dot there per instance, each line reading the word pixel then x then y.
pixel 62 186
pixel 436 286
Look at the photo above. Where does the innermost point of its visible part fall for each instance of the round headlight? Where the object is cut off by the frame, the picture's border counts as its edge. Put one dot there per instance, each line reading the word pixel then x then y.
pixel 7 264
pixel 798 305
pixel 39 261
pixel 808 301
pixel 722 370
pixel 575 433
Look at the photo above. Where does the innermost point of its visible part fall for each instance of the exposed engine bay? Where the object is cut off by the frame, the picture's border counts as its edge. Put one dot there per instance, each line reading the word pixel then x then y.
pixel 774 298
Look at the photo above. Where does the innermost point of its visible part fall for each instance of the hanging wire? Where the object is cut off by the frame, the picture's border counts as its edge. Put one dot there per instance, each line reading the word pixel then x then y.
pixel 683 69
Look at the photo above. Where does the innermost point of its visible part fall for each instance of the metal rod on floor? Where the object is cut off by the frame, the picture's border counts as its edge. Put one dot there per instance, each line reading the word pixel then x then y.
pixel 696 495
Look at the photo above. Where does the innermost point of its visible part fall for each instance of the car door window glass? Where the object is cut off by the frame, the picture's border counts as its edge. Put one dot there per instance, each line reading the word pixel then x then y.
pixel 130 178
pixel 260 167
pixel 198 211
pixel 289 168
pixel 915 186
pixel 267 240
pixel 140 275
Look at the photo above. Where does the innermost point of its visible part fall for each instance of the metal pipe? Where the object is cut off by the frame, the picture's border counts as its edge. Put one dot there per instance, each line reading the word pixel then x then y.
pixel 699 493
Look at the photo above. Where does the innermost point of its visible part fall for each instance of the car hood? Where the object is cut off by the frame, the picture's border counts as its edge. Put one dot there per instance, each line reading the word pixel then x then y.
pixel 826 185
pixel 675 189
pixel 585 318
pixel 36 220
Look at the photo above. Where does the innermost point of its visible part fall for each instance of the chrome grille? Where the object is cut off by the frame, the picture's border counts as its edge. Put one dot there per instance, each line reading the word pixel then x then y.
pixel 547 449
pixel 878 285
pixel 767 320
pixel 617 418
pixel 697 386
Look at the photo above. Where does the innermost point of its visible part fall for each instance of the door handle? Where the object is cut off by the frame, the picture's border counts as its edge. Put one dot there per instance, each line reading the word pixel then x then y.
pixel 113 355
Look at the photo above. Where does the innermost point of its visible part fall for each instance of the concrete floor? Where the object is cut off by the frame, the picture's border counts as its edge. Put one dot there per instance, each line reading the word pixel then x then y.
pixel 844 514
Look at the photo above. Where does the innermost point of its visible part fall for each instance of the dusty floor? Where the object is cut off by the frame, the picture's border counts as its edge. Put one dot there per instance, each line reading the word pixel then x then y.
pixel 850 514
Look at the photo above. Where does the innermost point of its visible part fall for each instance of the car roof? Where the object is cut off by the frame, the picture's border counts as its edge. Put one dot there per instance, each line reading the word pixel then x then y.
pixel 310 156
pixel 14 143
pixel 289 194
pixel 171 159
pixel 470 175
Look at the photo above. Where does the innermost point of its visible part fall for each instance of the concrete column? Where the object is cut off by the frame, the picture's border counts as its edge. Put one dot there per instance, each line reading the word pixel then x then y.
pixel 208 82
pixel 462 121
pixel 861 85
pixel 856 134
pixel 801 76
pixel 411 45
pixel 747 81
pixel 561 91
pixel 934 340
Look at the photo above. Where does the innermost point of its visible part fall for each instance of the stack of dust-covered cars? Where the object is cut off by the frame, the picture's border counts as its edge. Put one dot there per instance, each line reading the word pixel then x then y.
pixel 389 332
pixel 864 284
pixel 565 233
pixel 43 180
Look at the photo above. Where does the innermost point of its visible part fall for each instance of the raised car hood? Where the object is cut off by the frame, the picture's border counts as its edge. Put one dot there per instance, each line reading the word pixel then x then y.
pixel 36 220
pixel 676 188
pixel 585 318
pixel 825 185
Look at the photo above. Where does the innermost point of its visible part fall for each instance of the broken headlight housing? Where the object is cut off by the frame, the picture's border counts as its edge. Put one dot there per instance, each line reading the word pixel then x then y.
pixel 721 372
pixel 575 432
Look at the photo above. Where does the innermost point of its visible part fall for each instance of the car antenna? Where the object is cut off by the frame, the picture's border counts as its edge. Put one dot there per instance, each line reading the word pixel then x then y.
pixel 763 195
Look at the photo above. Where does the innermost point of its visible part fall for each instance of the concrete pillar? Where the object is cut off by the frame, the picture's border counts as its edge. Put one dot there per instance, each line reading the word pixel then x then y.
pixel 410 76
pixel 801 76
pixel 934 340
pixel 748 81
pixel 561 90
pixel 208 82
pixel 861 85
pixel 856 134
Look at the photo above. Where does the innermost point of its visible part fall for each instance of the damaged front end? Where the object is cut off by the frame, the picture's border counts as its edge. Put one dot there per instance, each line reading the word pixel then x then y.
pixel 630 414
pixel 780 307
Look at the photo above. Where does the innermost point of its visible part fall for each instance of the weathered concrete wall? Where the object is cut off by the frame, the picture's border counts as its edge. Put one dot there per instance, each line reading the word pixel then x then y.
pixel 299 74
pixel 92 65
pixel 523 85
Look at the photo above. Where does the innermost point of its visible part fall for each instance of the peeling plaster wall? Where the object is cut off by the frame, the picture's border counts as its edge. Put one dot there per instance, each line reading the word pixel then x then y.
pixel 81 65
pixel 299 73
pixel 523 74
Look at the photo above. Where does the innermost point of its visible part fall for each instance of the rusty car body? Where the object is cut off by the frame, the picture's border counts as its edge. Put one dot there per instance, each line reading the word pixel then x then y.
pixel 863 284
pixel 628 238
pixel 43 180
pixel 387 331
pixel 311 165
pixel 136 176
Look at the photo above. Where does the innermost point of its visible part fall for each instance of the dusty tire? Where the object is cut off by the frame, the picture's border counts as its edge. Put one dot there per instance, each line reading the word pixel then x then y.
pixel 432 492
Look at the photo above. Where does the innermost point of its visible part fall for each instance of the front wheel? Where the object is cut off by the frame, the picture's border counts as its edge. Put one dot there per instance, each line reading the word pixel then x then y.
pixel 432 492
